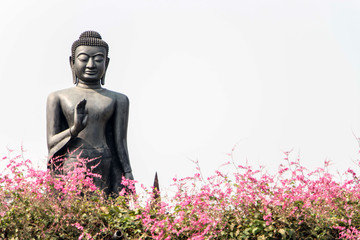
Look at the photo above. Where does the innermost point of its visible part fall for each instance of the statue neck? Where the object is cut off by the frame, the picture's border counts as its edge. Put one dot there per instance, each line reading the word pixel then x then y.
pixel 89 85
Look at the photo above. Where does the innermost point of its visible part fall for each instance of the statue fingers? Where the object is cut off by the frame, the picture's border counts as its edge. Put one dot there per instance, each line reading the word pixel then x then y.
pixel 83 102
pixel 84 121
pixel 80 107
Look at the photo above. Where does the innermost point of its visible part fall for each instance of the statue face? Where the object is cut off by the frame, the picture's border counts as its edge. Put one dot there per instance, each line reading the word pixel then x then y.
pixel 90 63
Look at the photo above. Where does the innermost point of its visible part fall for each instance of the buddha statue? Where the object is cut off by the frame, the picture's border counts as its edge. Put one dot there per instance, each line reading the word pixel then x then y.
pixel 88 121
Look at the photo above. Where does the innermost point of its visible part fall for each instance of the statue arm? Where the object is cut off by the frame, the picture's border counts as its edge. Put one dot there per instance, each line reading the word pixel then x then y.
pixel 120 134
pixel 58 131
pixel 57 134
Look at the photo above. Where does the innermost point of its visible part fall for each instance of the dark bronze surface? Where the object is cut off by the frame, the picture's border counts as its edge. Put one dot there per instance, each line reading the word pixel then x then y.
pixel 89 118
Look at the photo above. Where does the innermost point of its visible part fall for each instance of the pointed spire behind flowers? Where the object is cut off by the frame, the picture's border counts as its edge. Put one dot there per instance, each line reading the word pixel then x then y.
pixel 156 192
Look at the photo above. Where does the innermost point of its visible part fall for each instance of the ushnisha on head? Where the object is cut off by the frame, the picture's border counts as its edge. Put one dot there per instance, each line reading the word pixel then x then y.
pixel 88 38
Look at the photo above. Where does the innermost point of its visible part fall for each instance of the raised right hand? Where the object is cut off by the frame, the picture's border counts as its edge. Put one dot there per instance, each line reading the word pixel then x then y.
pixel 80 118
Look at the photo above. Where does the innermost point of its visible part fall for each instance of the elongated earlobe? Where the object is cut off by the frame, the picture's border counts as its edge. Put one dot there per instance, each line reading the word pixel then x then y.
pixel 75 79
pixel 102 80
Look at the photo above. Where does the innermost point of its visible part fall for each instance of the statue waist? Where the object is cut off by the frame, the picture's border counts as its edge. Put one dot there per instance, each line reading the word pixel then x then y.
pixel 88 152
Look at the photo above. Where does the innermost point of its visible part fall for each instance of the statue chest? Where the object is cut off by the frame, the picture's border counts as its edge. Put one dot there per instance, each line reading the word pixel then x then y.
pixel 98 107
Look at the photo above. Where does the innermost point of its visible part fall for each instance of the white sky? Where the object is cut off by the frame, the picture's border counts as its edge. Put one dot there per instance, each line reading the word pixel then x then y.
pixel 201 77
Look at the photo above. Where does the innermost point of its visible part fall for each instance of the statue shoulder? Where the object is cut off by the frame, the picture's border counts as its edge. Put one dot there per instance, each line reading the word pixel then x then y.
pixel 123 101
pixel 119 97
pixel 59 94
pixel 123 98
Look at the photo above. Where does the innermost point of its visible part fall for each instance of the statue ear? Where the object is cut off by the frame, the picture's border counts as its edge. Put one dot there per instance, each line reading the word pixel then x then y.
pixel 106 66
pixel 75 79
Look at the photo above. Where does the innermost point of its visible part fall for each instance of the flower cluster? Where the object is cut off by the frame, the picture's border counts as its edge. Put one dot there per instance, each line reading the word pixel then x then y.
pixel 250 203
pixel 295 203
pixel 38 204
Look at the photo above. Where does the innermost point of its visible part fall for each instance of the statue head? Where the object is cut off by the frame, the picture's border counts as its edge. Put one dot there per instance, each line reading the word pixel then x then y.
pixel 94 41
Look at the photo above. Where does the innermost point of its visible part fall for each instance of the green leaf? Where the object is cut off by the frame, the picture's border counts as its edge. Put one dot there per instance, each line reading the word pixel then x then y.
pixel 283 233
pixel 256 230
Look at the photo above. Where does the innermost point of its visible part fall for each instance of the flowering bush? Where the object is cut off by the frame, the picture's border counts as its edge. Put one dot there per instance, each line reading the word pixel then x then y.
pixel 250 203
pixel 36 204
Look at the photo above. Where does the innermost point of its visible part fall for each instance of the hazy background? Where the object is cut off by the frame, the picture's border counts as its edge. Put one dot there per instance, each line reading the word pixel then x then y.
pixel 201 76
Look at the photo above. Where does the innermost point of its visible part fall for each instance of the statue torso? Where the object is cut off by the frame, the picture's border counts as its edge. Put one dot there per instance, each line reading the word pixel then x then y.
pixel 100 107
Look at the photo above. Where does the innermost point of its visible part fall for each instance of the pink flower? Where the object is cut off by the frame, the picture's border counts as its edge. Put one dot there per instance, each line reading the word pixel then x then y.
pixel 78 226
